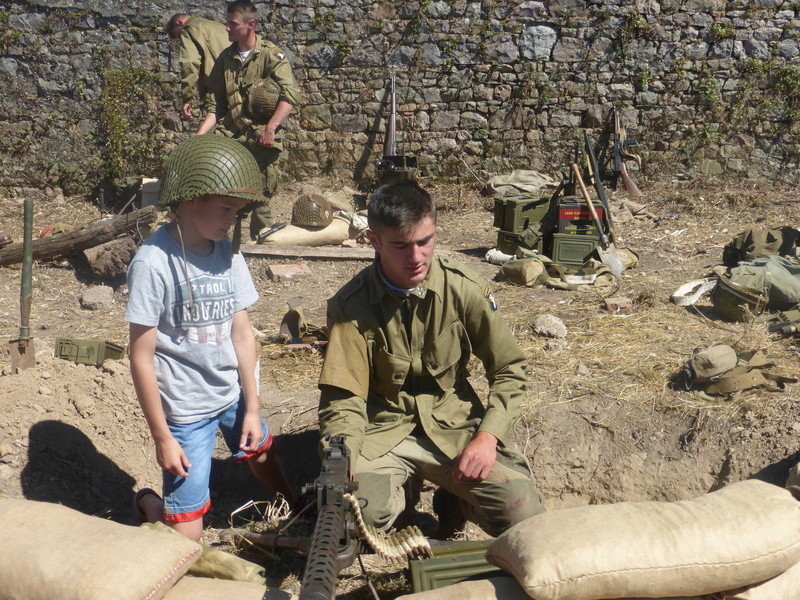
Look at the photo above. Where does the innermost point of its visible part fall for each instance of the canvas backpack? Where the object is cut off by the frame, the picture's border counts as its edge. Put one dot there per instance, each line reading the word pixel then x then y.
pixel 758 243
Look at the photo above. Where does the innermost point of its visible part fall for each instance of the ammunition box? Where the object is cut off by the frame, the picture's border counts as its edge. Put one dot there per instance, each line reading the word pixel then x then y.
pixel 572 250
pixel 508 242
pixel 451 563
pixel 517 213
pixel 87 352
pixel 574 217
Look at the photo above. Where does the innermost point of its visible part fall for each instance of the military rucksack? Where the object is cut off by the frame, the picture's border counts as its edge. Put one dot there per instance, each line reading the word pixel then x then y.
pixel 771 283
pixel 759 243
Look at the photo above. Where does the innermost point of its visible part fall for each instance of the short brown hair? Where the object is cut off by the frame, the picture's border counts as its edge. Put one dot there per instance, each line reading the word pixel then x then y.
pixel 242 7
pixel 173 22
pixel 399 205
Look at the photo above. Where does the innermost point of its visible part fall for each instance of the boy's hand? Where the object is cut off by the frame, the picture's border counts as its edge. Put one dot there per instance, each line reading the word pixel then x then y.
pixel 251 432
pixel 172 458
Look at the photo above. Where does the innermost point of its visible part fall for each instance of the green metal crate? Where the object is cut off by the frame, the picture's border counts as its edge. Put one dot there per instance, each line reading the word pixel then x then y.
pixel 451 563
pixel 516 213
pixel 572 250
pixel 87 352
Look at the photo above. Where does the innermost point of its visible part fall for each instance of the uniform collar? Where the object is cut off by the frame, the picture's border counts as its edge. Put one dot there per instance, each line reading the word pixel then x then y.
pixel 433 282
pixel 254 51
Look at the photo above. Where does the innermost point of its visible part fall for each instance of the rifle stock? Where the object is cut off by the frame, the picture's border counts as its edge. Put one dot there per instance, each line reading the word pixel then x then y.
pixel 620 155
pixel 630 186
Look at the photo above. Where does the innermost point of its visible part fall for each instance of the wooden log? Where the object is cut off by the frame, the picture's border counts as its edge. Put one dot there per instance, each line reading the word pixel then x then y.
pixel 75 241
pixel 321 252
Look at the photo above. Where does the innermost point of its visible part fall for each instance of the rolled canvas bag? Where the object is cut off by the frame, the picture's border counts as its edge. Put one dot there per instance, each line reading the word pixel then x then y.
pixel 743 534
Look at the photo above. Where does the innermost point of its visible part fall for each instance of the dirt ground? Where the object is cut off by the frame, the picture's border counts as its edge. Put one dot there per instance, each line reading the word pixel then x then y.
pixel 603 421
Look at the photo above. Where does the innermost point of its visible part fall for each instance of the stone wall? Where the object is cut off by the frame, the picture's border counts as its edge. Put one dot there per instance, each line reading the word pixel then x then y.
pixel 90 88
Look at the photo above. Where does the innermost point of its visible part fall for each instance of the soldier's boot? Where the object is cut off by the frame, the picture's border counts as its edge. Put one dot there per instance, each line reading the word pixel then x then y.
pixel 447 507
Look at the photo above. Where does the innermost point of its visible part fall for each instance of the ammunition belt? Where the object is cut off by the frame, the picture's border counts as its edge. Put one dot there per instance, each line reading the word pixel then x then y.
pixel 398 546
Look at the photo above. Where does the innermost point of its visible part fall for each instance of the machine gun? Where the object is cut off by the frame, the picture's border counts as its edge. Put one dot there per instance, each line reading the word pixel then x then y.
pixel 333 545
pixel 620 154
pixel 393 166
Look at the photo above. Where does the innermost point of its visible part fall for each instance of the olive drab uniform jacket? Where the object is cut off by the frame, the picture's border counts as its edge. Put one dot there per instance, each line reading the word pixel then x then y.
pixel 200 43
pixel 232 78
pixel 394 363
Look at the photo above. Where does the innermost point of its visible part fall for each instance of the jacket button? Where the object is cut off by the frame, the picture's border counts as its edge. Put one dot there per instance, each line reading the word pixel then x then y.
pixel 435 366
pixel 398 376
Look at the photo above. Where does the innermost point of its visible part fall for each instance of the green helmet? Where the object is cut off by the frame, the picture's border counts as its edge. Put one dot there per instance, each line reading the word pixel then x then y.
pixel 262 99
pixel 210 164
pixel 312 210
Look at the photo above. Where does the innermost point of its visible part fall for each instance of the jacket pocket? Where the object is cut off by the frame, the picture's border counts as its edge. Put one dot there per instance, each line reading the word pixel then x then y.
pixel 388 370
pixel 447 356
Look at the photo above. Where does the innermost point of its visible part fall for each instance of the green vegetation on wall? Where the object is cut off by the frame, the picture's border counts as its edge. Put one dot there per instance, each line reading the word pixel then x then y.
pixel 128 120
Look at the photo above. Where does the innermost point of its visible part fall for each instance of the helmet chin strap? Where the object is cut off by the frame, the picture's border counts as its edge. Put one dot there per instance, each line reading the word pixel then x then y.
pixel 237 234
pixel 185 266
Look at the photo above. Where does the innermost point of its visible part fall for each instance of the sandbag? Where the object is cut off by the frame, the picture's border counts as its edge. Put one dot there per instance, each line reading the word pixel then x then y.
pixel 51 551
pixel 492 588
pixel 785 586
pixel 332 235
pixel 216 563
pixel 202 588
pixel 743 534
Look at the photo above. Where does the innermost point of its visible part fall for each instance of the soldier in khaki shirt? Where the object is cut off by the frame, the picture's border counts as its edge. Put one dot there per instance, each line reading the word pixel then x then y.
pixel 248 62
pixel 394 382
pixel 200 43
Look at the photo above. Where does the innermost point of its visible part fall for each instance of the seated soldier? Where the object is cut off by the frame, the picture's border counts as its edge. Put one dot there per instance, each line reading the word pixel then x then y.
pixel 394 382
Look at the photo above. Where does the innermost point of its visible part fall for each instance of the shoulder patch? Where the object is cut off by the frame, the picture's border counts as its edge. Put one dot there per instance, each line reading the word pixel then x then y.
pixel 487 293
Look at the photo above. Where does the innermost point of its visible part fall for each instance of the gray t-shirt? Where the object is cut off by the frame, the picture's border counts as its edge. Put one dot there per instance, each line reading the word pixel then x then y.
pixel 195 361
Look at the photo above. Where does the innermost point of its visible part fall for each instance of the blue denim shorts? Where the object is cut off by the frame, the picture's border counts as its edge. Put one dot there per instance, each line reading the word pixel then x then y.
pixel 188 498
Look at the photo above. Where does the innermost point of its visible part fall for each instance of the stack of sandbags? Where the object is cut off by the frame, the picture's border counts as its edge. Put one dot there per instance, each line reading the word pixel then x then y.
pixel 51 551
pixel 739 543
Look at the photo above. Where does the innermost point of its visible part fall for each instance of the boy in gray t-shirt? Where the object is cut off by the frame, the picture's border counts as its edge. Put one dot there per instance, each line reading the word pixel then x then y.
pixel 193 352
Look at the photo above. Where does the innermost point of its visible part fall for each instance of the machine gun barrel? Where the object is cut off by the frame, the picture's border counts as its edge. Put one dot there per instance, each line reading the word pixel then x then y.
pixel 390 141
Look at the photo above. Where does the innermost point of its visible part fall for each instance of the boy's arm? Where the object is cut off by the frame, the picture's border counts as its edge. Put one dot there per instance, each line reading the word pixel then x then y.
pixel 169 453
pixel 244 344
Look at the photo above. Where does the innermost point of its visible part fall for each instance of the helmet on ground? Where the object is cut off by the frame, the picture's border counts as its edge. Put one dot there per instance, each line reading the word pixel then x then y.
pixel 210 164
pixel 312 210
pixel 263 99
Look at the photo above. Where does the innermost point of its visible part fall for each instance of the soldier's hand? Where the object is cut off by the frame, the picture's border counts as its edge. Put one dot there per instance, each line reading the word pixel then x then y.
pixel 477 459
pixel 266 137
pixel 186 110
pixel 172 458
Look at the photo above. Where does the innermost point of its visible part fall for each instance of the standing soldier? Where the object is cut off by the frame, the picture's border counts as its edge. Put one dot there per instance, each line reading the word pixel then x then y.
pixel 252 90
pixel 200 43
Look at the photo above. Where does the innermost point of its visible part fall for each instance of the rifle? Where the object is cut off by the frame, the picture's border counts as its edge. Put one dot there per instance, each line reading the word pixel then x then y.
pixel 620 154
pixel 392 166
pixel 594 174
pixel 333 545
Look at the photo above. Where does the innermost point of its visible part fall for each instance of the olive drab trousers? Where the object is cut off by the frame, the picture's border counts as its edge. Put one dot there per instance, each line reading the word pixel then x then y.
pixel 506 497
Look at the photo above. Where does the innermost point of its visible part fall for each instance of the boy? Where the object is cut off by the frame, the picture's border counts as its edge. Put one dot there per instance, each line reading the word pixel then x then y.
pixel 193 352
